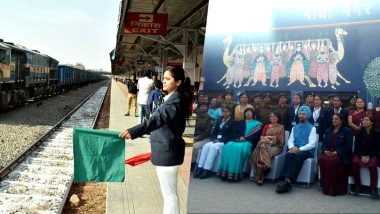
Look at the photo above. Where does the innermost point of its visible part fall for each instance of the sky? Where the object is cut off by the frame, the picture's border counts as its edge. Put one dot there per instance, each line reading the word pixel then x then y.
pixel 71 31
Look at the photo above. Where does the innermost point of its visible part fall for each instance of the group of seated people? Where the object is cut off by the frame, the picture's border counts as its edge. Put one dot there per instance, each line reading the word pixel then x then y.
pixel 257 132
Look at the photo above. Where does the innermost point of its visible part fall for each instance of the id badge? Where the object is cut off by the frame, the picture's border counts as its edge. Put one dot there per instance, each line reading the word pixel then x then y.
pixel 293 123
pixel 219 136
pixel 316 124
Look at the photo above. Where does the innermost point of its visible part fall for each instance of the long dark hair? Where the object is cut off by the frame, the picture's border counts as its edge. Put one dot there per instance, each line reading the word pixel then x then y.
pixel 184 88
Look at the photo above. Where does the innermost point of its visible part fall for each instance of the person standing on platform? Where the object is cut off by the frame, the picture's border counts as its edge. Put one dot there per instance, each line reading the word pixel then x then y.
pixel 132 95
pixel 145 85
pixel 155 97
pixel 166 127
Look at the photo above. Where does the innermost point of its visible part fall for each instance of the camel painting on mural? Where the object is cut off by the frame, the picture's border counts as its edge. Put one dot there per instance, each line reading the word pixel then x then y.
pixel 310 62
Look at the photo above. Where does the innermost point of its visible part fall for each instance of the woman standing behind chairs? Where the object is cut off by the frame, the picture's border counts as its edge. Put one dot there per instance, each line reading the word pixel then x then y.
pixel 336 157
pixel 271 144
pixel 236 152
pixel 355 117
pixel 240 109
pixel 366 150
pixel 166 127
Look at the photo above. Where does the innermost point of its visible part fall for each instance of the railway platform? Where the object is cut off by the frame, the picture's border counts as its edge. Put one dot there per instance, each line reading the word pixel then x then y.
pixel 140 192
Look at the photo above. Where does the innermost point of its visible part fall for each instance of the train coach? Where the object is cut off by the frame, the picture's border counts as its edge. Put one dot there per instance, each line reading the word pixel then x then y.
pixel 26 74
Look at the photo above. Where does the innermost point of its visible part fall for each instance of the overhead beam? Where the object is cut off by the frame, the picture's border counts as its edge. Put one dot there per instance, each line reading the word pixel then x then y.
pixel 158 6
pixel 191 13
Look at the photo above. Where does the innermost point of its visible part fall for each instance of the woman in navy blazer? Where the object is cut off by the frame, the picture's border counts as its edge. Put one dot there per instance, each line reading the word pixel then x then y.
pixel 222 134
pixel 336 157
pixel 319 117
pixel 166 127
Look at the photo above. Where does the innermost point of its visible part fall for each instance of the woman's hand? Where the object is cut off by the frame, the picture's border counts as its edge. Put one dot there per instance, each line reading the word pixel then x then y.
pixel 241 139
pixel 125 134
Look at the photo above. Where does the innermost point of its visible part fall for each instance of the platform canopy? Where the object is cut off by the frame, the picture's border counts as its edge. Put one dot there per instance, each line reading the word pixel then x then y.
pixel 142 47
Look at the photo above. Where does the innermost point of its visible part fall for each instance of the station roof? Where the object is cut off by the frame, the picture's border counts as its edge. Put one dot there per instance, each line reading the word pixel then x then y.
pixel 182 15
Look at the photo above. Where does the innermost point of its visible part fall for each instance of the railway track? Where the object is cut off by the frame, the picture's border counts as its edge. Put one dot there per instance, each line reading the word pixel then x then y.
pixel 39 179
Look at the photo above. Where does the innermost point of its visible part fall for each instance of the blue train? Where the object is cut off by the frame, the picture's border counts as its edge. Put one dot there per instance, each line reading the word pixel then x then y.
pixel 26 74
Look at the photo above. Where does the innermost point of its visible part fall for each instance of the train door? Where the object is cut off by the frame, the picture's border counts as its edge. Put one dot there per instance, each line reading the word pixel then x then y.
pixel 19 60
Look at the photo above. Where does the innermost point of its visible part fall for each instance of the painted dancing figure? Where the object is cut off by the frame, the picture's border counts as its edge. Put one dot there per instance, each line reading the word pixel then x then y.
pixel 276 68
pixel 259 68
pixel 323 68
pixel 297 66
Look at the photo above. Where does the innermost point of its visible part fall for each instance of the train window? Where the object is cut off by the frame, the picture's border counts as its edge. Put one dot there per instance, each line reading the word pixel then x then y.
pixel 2 56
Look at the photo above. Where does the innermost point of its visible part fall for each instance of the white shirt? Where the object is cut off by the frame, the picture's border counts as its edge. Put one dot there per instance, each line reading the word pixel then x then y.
pixel 313 138
pixel 167 96
pixel 335 111
pixel 316 113
pixel 144 85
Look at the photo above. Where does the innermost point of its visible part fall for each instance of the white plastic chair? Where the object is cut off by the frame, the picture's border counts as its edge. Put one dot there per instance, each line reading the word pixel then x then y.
pixel 364 176
pixel 308 171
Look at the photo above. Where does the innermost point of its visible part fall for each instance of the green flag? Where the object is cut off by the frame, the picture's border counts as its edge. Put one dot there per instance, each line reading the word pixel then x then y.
pixel 98 156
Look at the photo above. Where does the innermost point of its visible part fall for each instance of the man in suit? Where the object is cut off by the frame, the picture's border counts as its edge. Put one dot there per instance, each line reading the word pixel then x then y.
pixel 291 117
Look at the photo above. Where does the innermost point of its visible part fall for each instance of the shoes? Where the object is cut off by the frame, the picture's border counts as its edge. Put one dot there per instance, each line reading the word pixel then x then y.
pixel 198 171
pixel 127 114
pixel 136 116
pixel 192 167
pixel 205 174
pixel 374 194
pixel 356 191
pixel 284 187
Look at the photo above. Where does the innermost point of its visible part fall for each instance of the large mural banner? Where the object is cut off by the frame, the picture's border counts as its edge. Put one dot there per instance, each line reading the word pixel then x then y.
pixel 332 48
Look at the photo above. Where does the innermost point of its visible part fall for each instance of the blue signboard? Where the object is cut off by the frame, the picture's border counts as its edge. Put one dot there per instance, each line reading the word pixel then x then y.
pixel 324 49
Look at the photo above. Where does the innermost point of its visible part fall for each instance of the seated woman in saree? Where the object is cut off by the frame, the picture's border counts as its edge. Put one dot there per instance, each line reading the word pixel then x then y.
pixel 270 144
pixel 336 157
pixel 236 152
pixel 365 155
pixel 223 133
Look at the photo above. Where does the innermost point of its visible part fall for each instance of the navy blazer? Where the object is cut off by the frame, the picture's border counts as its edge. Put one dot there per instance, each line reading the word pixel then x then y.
pixel 367 144
pixel 343 144
pixel 166 127
pixel 290 117
pixel 227 130
pixel 322 121
pixel 239 131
